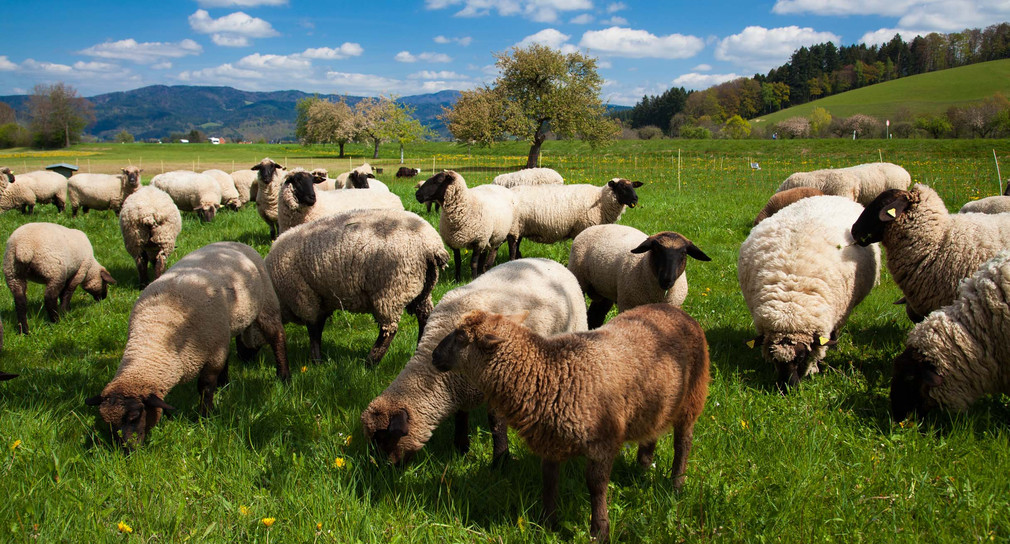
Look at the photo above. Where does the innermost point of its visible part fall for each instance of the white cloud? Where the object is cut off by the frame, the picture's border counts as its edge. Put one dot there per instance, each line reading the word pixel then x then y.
pixel 616 6
pixel 32 65
pixel 367 84
pixel 615 21
pixel 83 74
pixel 703 81
pixel 604 64
pixel 429 74
pixel 275 63
pixel 934 15
pixel 240 3
pixel 884 35
pixel 407 56
pixel 761 49
pixel 95 66
pixel 232 30
pixel 551 38
pixel 702 68
pixel 626 42
pixel 346 50
pixel 464 41
pixel 583 19
pixel 143 53
pixel 543 11
pixel 850 7
pixel 6 65
pixel 162 66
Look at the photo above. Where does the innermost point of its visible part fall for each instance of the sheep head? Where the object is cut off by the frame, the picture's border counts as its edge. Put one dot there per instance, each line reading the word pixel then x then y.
pixel 267 170
pixel 791 353
pixel 885 209
pixel 302 186
pixel 624 191
pixel 913 378
pixel 207 213
pixel 359 180
pixel 129 417
pixel 97 282
pixel 131 178
pixel 388 426
pixel 667 251
pixel 433 189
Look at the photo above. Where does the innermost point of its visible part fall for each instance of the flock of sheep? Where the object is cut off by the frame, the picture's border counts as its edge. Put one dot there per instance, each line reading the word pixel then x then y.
pixel 519 336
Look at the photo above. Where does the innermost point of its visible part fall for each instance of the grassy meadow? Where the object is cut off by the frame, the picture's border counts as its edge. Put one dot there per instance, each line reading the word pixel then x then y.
pixel 824 463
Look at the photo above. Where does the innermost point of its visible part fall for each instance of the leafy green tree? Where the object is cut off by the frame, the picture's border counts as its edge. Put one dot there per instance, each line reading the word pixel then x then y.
pixel 323 122
pixel 476 117
pixel 196 137
pixel 820 120
pixel 736 128
pixel 124 137
pixel 57 116
pixel 401 127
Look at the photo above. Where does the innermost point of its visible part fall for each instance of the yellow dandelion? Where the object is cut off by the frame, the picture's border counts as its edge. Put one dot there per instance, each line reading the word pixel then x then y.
pixel 319 526
pixel 267 522
pixel 15 445
pixel 347 441
pixel 743 424
pixel 304 368
pixel 244 510
pixel 124 528
pixel 521 523
pixel 339 462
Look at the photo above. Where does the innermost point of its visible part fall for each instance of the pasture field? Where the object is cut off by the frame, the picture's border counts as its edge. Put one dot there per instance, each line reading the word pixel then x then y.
pixel 824 463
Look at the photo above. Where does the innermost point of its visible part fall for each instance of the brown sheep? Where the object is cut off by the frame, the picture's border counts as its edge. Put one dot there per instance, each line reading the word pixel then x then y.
pixel 783 199
pixel 587 393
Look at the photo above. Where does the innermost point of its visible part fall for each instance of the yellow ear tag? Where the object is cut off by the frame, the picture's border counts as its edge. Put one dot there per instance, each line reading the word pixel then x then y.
pixel 750 344
pixel 824 340
pixel 892 213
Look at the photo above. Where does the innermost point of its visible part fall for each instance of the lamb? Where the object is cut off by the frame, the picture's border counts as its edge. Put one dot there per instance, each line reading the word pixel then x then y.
pixel 783 199
pixel 377 261
pixel 401 419
pixel 229 191
pixel 861 183
pixel 38 187
pixel 587 393
pixel 359 180
pixel 550 213
pixel 57 257
pixel 478 219
pixel 245 184
pixel 150 223
pixel 801 276
pixel 928 249
pixel 300 203
pixel 323 181
pixel 102 191
pixel 270 175
pixel 615 263
pixel 180 329
pixel 960 352
pixel 529 176
pixel 991 204
pixel 405 172
pixel 191 192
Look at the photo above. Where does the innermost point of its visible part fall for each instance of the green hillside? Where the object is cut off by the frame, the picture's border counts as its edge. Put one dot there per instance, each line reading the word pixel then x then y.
pixel 924 93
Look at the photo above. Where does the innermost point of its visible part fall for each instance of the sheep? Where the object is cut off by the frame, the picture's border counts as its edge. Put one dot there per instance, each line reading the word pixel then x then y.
pixel 150 223
pixel 405 172
pixel 38 187
pixel 861 183
pixel 587 393
pixel 18 196
pixel 615 263
pixel 359 180
pixel 102 191
pixel 478 219
pixel 928 249
pixel 991 204
pixel 245 184
pixel 430 200
pixel 270 175
pixel 323 181
pixel 959 353
pixel 529 176
pixel 229 191
pixel 6 175
pixel 783 199
pixel 191 192
pixel 801 276
pixel 377 261
pixel 365 169
pixel 401 419
pixel 549 213
pixel 57 257
pixel 180 329
pixel 300 203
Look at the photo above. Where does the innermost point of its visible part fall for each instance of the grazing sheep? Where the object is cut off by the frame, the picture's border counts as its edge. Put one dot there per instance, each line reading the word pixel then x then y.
pixel 6 175
pixel 191 192
pixel 323 181
pixel 268 186
pixel 180 329
pixel 405 172
pixel 783 199
pixel 102 191
pixel 990 204
pixel 960 352
pixel 529 176
pixel 365 169
pixel 229 191
pixel 38 187
pixel 550 213
pixel 587 393
pixel 150 223
pixel 359 180
pixel 300 203
pixel 18 196
pixel 365 261
pixel 801 276
pixel 57 257
pixel 615 263
pixel 245 184
pixel 861 183
pixel 401 419
pixel 477 219
pixel 929 250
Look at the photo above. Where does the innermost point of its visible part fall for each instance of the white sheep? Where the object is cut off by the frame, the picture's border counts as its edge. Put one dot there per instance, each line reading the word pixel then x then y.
pixel 616 263
pixel 401 419
pixel 343 178
pixel 180 329
pixel 365 261
pixel 57 257
pixel 102 191
pixel 929 250
pixel 191 192
pixel 478 219
pixel 550 213
pixel 37 187
pixel 802 274
pixel 323 181
pixel 229 192
pixel 359 180
pixel 150 222
pixel 529 176
pixel 245 184
pixel 269 177
pixel 989 204
pixel 861 183
pixel 300 203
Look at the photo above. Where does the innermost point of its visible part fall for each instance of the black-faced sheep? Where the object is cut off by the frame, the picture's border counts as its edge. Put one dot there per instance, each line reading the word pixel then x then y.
pixel 102 191
pixel 150 222
pixel 270 175
pixel 782 199
pixel 406 172
pixel 299 202
pixel 38 187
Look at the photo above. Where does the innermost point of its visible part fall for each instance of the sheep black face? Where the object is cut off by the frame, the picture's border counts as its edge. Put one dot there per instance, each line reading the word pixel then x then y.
pixel 319 175
pixel 624 190
pixel 888 206
pixel 433 189
pixel 129 418
pixel 207 214
pixel 98 286
pixel 390 432
pixel 303 185
pixel 267 168
pixel 666 256
pixel 913 377
pixel 359 180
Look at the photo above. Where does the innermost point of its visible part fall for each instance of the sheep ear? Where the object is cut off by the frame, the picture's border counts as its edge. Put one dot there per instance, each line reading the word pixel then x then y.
pixel 257 167
pixel 107 278
pixel 891 210
pixel 693 251
pixel 93 401
pixel 644 246
pixel 154 401
pixel 519 317
pixel 491 340
pixel 637 184
pixel 398 422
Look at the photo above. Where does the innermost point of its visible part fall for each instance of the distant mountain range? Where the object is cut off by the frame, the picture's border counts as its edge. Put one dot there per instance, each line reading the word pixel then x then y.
pixel 158 111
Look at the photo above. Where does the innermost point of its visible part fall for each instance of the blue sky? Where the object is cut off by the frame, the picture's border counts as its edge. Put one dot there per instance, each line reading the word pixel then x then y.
pixel 420 46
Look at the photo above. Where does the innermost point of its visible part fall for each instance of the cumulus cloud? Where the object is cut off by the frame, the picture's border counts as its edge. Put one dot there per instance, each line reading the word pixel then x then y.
pixel 615 21
pixel 368 84
pixel 702 68
pixel 464 41
pixel 240 3
pixel 542 11
pixel 936 16
pixel 551 38
pixel 761 49
pixel 430 74
pixel 142 53
pixel 627 42
pixel 83 74
pixel 884 35
pixel 616 6
pixel 347 50
pixel 703 81
pixel 407 56
pixel 850 7
pixel 232 30
pixel 162 66
pixel 6 65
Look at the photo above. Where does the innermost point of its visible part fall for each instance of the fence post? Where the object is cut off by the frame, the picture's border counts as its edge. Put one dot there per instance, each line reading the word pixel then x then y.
pixel 999 178
pixel 678 169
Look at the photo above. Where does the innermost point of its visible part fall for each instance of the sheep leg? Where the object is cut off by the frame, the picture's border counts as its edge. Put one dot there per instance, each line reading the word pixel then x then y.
pixel 51 301
pixel 66 294
pixel 19 290
pixel 597 478
pixel 683 437
pixel 421 306
pixel 316 338
pixel 550 474
pixel 60 205
pixel 141 262
pixel 274 331
pixel 476 262
pixel 514 252
pixel 73 211
pixel 499 439
pixel 597 313
pixel 222 377
pixel 646 453
pixel 386 334
pixel 455 258
pixel 206 384
pixel 159 265
pixel 461 436
pixel 245 353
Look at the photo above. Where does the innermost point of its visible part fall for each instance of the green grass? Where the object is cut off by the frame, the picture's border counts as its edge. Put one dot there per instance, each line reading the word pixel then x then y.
pixel 822 464
pixel 932 92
